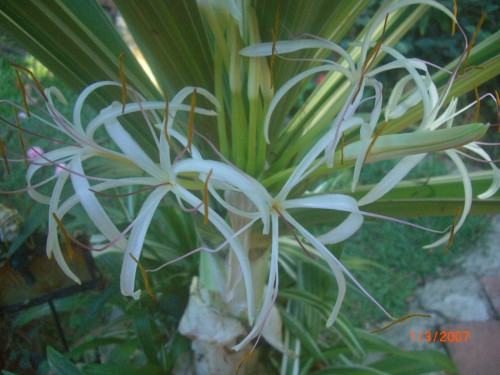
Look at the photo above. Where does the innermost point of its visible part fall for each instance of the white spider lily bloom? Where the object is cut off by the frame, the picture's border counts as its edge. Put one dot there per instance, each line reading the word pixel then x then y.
pixel 269 210
pixel 430 123
pixel 360 79
pixel 279 207
pixel 163 178
pixel 157 176
pixel 72 155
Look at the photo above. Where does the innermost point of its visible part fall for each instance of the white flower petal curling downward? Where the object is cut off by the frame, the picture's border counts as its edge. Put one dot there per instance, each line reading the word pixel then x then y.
pixel 136 241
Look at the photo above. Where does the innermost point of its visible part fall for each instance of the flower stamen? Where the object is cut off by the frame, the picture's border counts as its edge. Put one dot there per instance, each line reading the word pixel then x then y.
pixel 274 34
pixel 292 231
pixel 33 77
pixel 472 41
pixel 165 120
pixel 342 144
pixel 245 359
pixel 400 320
pixel 455 12
pixel 205 198
pixel 20 136
pixel 372 143
pixel 23 94
pixel 65 235
pixel 3 152
pixel 145 278
pixel 123 81
pixel 370 59
pixel 191 120
pixel 452 230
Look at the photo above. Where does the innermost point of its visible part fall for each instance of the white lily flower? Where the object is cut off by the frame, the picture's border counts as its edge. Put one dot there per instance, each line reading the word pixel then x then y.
pixel 73 155
pixel 163 176
pixel 159 177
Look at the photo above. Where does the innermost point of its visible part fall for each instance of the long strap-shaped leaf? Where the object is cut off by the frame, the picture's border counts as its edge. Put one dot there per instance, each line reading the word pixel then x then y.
pixel 75 40
pixel 173 40
pixel 78 43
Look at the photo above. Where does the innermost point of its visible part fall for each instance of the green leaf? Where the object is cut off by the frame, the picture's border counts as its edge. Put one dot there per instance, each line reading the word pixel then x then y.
pixel 298 330
pixel 146 338
pixel 406 362
pixel 75 40
pixel 122 352
pixel 94 343
pixel 173 40
pixel 78 43
pixel 37 217
pixel 349 336
pixel 60 364
pixel 122 369
pixel 416 363
pixel 350 370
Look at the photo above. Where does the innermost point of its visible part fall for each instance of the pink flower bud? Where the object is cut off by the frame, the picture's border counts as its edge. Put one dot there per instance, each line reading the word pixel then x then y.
pixel 60 167
pixel 34 152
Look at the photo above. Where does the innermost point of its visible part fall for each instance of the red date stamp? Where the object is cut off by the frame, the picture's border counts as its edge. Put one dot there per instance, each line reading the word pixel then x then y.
pixel 440 336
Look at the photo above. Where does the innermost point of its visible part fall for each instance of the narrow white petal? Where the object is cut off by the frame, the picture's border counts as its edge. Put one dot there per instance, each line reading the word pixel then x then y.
pixel 115 110
pixel 53 156
pixel 288 46
pixel 495 185
pixel 52 244
pixel 343 231
pixel 337 268
pixel 307 164
pixel 77 110
pixel 92 206
pixel 270 288
pixel 292 82
pixel 331 260
pixel 131 149
pixel 391 179
pixel 136 241
pixel 462 169
pixel 232 177
pixel 339 202
pixel 395 108
pixel 226 231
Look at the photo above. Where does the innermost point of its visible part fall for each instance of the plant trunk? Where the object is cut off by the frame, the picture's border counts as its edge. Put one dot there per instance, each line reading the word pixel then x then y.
pixel 216 316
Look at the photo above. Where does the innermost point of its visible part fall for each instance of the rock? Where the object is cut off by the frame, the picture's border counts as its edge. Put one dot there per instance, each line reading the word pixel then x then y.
pixel 457 299
pixel 485 262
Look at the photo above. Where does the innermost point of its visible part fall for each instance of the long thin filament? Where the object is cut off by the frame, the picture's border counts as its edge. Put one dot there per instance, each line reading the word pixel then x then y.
pixel 400 320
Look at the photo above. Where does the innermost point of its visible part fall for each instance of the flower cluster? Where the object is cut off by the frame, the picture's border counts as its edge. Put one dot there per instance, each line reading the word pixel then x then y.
pixel 177 167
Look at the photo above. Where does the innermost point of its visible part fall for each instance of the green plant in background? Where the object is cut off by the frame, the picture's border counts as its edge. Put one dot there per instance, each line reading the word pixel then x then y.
pixel 209 167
